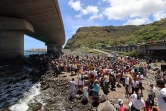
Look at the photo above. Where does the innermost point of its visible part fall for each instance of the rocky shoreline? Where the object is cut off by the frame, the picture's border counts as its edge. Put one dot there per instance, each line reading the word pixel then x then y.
pixel 54 91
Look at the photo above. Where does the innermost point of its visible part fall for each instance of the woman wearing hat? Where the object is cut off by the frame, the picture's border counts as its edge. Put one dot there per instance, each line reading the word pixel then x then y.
pixel 96 88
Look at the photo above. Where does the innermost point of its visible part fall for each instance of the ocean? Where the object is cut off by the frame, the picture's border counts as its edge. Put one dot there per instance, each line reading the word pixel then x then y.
pixel 26 54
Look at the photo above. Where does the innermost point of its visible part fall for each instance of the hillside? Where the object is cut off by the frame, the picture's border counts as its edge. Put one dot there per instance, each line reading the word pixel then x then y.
pixel 116 35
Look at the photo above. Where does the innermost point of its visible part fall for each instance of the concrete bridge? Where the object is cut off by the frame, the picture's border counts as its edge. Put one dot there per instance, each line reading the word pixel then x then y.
pixel 40 19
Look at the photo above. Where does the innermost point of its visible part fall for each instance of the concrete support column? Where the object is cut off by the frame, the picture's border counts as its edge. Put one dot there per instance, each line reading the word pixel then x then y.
pixel 52 48
pixel 11 47
pixel 12 39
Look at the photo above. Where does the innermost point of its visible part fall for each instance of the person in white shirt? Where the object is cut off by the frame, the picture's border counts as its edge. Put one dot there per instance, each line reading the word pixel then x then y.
pixel 85 91
pixel 133 97
pixel 72 88
pixel 95 72
pixel 107 78
pixel 138 104
pixel 135 86
pixel 140 79
pixel 126 85
pixel 80 81
pixel 162 95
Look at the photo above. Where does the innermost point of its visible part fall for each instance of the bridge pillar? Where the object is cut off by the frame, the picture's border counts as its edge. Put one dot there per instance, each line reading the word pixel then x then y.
pixel 11 47
pixel 12 40
pixel 52 48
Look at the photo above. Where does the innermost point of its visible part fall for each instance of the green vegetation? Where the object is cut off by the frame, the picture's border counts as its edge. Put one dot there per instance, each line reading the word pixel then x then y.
pixel 96 37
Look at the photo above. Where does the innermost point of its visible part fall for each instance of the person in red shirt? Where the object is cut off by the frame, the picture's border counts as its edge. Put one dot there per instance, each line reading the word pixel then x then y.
pixel 120 105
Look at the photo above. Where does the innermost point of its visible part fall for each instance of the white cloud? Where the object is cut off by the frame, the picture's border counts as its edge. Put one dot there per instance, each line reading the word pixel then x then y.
pixel 159 15
pixel 137 21
pixel 90 10
pixel 122 9
pixel 99 16
pixel 135 11
pixel 75 5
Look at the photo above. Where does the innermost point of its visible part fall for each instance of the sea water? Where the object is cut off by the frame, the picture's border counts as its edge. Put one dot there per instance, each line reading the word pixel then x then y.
pixel 26 54
pixel 17 90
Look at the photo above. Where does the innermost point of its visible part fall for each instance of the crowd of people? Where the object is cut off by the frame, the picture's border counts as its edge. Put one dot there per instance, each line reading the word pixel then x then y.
pixel 97 72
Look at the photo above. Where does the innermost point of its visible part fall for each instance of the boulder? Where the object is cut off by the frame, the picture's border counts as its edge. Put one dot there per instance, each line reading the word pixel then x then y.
pixel 106 106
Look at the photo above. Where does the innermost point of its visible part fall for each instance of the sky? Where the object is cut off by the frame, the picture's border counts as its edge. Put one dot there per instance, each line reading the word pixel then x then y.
pixel 80 13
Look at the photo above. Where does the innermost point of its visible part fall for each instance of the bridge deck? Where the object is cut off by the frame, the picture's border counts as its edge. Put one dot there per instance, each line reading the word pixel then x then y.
pixel 44 15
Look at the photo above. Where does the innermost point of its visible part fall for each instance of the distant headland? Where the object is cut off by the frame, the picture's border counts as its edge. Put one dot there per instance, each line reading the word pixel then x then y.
pixel 37 50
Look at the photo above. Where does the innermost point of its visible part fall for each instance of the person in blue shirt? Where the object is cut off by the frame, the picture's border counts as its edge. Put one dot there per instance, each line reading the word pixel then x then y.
pixel 96 88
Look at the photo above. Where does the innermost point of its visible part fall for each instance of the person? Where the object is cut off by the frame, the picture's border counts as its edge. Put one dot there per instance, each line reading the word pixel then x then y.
pixel 131 98
pixel 56 69
pixel 106 83
pixel 164 77
pixel 130 85
pixel 80 81
pixel 118 77
pixel 162 95
pixel 120 105
pixel 112 80
pixel 72 88
pixel 85 93
pixel 85 90
pixel 126 86
pixel 92 78
pixel 96 88
pixel 138 104
pixel 140 79
pixel 158 75
pixel 135 86
pixel 148 107
pixel 151 96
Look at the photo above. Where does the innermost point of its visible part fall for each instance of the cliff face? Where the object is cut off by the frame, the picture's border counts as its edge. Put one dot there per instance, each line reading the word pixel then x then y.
pixel 116 35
